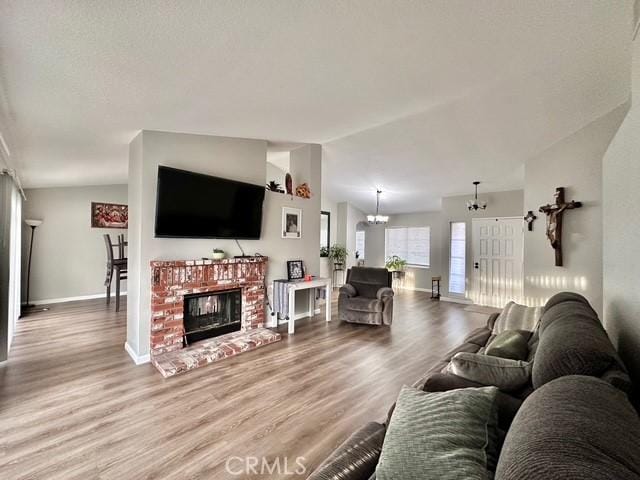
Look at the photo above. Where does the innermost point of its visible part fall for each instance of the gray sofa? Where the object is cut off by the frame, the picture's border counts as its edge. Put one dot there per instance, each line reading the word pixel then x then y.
pixel 366 297
pixel 574 419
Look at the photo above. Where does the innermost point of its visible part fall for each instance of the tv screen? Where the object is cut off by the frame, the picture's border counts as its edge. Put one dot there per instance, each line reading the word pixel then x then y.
pixel 193 205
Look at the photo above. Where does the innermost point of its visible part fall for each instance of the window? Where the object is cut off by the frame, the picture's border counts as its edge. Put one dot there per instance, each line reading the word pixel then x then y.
pixel 457 257
pixel 412 244
pixel 360 244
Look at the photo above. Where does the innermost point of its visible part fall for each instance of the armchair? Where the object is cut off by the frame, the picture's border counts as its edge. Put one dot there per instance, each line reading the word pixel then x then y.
pixel 366 297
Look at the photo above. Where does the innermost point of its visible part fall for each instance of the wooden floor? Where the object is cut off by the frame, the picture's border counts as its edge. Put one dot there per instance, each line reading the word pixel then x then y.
pixel 74 406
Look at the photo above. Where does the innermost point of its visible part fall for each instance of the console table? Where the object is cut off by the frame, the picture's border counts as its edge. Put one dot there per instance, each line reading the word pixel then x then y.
pixel 291 288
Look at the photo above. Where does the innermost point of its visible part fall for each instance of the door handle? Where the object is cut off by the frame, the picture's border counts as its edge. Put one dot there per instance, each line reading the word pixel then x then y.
pixel 476 265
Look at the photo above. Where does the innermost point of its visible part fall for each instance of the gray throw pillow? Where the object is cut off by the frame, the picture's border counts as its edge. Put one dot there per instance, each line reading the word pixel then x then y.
pixel 506 374
pixel 508 344
pixel 439 436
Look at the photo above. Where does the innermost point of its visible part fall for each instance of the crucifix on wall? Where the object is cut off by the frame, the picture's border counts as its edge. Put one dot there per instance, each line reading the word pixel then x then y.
pixel 554 213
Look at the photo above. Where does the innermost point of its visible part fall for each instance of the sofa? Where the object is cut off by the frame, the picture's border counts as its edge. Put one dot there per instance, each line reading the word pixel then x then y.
pixel 573 419
pixel 366 297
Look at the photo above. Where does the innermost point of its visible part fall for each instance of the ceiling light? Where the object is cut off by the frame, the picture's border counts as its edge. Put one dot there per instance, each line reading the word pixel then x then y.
pixel 377 218
pixel 474 205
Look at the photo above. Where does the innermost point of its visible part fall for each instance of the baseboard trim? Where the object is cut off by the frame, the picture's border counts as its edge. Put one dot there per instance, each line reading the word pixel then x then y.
pixel 138 360
pixel 464 301
pixel 416 289
pixel 74 299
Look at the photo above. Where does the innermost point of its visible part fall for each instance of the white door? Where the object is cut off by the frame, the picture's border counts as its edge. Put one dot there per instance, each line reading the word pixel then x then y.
pixel 497 247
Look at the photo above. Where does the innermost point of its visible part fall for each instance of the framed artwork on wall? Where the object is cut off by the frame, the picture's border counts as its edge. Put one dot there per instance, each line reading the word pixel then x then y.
pixel 291 222
pixel 295 270
pixel 109 215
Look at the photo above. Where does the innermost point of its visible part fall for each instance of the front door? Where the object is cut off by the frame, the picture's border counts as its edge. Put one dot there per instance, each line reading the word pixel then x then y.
pixel 497 260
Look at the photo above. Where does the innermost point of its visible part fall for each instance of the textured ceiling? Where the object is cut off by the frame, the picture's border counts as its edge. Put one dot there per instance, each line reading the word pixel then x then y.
pixel 420 98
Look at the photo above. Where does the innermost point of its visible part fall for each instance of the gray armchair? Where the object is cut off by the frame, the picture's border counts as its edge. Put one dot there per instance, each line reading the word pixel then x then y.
pixel 366 297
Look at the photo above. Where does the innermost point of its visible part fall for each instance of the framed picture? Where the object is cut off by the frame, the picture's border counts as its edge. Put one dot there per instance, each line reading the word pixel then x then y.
pixel 295 270
pixel 109 215
pixel 291 222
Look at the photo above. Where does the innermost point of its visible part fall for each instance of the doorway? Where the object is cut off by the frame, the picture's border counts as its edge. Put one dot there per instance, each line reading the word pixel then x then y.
pixel 497 253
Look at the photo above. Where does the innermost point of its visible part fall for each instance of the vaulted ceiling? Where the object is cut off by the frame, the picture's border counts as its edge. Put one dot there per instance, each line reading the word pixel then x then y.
pixel 419 98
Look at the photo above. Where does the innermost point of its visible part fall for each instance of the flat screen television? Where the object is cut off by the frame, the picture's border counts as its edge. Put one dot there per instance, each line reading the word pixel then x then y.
pixel 193 205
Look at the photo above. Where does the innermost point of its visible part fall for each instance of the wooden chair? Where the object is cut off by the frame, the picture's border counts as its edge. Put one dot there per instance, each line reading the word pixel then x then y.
pixel 117 265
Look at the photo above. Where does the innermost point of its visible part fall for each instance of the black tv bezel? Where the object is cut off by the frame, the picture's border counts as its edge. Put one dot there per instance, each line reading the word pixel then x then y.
pixel 190 172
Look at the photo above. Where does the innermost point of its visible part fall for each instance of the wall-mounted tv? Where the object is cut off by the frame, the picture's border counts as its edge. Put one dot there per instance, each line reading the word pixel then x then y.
pixel 193 205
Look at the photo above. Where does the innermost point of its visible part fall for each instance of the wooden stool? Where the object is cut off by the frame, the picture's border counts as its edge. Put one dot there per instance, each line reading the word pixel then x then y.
pixel 435 288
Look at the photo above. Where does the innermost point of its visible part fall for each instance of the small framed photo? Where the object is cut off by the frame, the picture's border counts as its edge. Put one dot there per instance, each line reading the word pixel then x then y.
pixel 291 222
pixel 295 270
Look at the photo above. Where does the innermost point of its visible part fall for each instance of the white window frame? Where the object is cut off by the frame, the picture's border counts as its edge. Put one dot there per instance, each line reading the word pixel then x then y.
pixel 463 258
pixel 388 253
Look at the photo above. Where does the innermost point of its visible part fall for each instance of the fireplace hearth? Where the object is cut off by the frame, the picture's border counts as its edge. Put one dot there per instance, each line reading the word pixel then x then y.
pixel 211 314
pixel 190 334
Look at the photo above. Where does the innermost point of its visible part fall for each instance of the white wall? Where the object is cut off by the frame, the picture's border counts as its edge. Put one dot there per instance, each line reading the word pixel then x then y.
pixel 69 257
pixel 419 278
pixel 454 209
pixel 621 197
pixel 576 164
pixel 235 158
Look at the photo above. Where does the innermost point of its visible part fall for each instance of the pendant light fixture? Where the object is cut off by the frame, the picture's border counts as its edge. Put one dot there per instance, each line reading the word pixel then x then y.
pixel 377 218
pixel 474 205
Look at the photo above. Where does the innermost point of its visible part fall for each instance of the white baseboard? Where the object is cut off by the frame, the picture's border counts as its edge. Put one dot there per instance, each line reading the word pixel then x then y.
pixel 416 289
pixel 464 301
pixel 138 360
pixel 74 299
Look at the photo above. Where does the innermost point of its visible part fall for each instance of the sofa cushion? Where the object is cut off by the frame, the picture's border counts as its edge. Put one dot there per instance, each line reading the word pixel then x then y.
pixel 517 317
pixel 572 342
pixel 574 427
pixel 363 304
pixel 566 297
pixel 355 458
pixel 479 336
pixel 508 375
pixel 445 434
pixel 507 405
pixel 508 344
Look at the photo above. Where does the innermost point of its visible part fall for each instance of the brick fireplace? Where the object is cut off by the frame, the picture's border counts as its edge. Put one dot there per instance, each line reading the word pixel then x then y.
pixel 171 281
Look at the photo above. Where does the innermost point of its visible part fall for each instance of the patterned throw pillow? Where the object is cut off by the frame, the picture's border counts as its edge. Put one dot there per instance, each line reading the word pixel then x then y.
pixel 517 317
pixel 440 436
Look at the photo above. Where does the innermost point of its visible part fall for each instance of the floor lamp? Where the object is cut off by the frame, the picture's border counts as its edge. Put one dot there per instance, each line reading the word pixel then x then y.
pixel 33 224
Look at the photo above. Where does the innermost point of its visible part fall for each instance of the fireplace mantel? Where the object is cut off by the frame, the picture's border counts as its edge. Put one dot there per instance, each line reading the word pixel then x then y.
pixel 171 280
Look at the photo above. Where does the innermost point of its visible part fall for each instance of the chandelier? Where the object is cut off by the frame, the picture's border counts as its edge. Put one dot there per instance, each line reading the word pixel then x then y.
pixel 474 205
pixel 377 218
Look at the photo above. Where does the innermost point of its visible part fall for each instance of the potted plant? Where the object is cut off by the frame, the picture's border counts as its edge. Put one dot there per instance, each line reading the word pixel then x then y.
pixel 396 265
pixel 218 254
pixel 274 186
pixel 338 255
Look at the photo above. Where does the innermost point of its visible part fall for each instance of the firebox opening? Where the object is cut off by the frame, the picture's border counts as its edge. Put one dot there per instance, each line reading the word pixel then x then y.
pixel 211 314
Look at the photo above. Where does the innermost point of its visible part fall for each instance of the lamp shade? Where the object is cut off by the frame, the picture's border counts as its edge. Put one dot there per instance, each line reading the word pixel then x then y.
pixel 33 223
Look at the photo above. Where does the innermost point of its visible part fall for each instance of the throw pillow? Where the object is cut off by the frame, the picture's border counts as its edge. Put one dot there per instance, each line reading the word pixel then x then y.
pixel 441 436
pixel 508 344
pixel 506 374
pixel 517 317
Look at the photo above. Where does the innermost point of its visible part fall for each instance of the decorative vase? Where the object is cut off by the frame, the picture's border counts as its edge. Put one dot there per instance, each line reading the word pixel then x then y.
pixel 218 255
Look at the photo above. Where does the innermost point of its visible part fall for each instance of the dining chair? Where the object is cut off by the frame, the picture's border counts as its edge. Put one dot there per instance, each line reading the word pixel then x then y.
pixel 115 265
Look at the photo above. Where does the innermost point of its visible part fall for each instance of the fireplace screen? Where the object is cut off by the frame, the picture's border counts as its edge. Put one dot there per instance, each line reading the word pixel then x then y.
pixel 211 314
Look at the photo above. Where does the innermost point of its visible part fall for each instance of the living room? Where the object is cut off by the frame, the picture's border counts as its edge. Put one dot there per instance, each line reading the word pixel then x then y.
pixel 271 244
